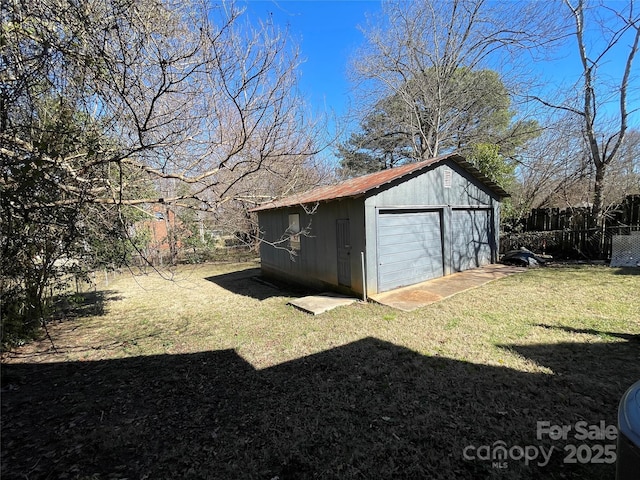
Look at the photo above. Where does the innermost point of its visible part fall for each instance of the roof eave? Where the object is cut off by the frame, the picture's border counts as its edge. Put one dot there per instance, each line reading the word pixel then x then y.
pixel 419 166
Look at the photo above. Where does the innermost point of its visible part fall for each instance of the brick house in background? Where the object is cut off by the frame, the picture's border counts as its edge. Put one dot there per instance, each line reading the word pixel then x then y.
pixel 166 232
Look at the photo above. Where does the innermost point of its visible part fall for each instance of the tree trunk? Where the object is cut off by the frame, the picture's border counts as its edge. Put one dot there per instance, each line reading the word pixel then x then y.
pixel 597 211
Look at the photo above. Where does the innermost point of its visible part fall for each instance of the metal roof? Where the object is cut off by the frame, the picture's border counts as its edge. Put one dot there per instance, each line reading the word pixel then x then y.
pixel 355 187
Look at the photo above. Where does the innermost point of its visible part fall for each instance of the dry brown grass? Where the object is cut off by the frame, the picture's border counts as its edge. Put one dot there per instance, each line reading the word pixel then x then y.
pixel 213 375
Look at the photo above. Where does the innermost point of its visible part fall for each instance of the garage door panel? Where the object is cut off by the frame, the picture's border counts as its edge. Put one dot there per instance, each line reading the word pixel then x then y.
pixel 470 247
pixel 409 248
pixel 405 257
pixel 402 279
pixel 407 236
pixel 407 242
pixel 408 219
pixel 432 267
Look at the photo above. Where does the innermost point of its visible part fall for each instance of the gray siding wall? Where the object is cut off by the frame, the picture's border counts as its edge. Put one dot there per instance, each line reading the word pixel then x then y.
pixel 427 190
pixel 316 264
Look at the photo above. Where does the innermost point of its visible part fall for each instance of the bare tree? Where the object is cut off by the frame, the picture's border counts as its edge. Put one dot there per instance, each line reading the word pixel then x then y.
pixel 623 174
pixel 599 101
pixel 177 90
pixel 99 100
pixel 276 179
pixel 554 170
pixel 427 53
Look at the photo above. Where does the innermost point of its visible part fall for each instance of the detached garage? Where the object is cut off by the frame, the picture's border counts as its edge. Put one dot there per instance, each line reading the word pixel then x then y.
pixel 385 230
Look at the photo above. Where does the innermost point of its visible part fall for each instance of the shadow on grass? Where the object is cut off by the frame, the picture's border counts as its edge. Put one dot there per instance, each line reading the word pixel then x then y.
pixel 369 409
pixel 85 304
pixel 590 331
pixel 250 284
pixel 627 270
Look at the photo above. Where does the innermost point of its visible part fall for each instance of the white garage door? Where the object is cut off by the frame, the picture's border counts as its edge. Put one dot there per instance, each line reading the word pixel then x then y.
pixel 409 248
pixel 470 231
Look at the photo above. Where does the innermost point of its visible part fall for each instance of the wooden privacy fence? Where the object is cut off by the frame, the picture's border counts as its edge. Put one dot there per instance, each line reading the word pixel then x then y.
pixel 567 244
pixel 626 213
pixel 569 233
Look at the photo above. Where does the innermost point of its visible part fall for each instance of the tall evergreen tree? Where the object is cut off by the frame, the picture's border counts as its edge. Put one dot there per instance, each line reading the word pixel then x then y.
pixel 431 115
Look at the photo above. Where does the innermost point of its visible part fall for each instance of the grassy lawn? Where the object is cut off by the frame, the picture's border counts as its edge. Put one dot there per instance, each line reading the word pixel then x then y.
pixel 213 375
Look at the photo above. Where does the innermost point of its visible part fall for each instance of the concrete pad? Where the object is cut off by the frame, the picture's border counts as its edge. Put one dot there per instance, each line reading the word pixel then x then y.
pixel 323 302
pixel 416 296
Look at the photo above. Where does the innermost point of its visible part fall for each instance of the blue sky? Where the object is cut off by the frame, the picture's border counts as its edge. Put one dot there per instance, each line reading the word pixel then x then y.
pixel 328 36
pixel 327 33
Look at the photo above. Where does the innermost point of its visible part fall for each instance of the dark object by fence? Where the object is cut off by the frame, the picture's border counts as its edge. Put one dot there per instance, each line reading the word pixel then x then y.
pixel 523 258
